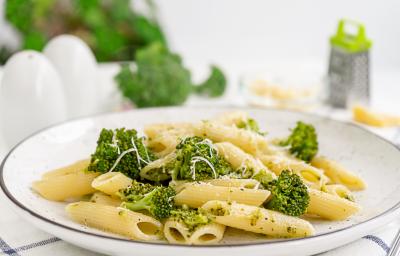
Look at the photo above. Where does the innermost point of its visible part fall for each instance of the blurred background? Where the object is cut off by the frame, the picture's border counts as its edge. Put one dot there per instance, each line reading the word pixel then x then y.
pixel 260 52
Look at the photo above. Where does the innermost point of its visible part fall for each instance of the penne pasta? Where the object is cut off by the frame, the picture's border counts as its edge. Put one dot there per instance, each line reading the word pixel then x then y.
pixel 338 190
pixel 199 178
pixel 163 138
pixel 177 232
pixel 62 187
pixel 211 233
pixel 257 220
pixel 311 176
pixel 330 206
pixel 157 170
pixel 101 198
pixel 153 130
pixel 338 174
pixel 75 167
pixel 248 141
pixel 117 220
pixel 241 160
pixel 111 182
pixel 195 195
pixel 163 144
pixel 231 118
pixel 238 183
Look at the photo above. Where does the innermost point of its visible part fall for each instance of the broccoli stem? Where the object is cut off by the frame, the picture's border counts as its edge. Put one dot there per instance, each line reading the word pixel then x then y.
pixel 142 204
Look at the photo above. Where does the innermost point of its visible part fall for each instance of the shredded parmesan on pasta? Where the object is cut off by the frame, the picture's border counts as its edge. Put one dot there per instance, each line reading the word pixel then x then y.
pixel 196 159
pixel 134 149
pixel 120 157
pixel 115 142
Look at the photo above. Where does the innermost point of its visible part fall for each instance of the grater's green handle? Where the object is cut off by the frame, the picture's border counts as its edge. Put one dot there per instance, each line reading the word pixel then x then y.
pixel 351 42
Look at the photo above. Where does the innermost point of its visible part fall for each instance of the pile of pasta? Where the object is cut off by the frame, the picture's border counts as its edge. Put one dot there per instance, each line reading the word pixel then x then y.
pixel 229 202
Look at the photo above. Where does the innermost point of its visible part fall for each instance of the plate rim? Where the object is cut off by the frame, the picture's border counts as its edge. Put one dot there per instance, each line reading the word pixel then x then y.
pixel 21 206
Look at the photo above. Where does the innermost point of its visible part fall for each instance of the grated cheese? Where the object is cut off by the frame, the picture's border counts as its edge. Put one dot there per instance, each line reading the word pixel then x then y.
pixel 196 159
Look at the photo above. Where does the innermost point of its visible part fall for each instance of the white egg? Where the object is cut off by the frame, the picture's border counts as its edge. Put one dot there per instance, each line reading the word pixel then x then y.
pixel 77 68
pixel 31 96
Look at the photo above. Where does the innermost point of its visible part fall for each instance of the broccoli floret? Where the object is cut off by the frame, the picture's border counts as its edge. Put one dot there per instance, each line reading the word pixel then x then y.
pixel 190 217
pixel 263 177
pixel 303 142
pixel 215 85
pixel 289 195
pixel 251 125
pixel 122 151
pixel 135 191
pixel 197 159
pixel 161 79
pixel 159 201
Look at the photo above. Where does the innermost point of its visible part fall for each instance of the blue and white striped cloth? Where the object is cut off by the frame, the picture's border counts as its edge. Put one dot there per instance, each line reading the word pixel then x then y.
pixel 18 237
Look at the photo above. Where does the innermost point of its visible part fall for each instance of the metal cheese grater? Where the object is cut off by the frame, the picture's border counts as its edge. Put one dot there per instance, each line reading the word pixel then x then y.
pixel 348 74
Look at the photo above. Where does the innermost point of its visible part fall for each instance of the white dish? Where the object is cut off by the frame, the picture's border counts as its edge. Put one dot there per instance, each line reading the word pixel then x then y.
pixel 375 159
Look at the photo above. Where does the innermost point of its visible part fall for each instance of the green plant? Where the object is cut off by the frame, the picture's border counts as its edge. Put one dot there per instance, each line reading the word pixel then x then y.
pixel 113 29
pixel 161 79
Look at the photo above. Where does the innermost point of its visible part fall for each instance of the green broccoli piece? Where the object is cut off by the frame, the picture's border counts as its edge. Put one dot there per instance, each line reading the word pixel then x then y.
pixel 159 201
pixel 289 195
pixel 135 191
pixel 160 79
pixel 303 142
pixel 122 151
pixel 161 173
pixel 197 159
pixel 190 217
pixel 215 85
pixel 251 125
pixel 264 177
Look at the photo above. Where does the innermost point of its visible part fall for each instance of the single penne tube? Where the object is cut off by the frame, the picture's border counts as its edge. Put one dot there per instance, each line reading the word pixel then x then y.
pixel 248 141
pixel 211 233
pixel 153 130
pixel 75 167
pixel 338 190
pixel 178 185
pixel 157 170
pixel 240 159
pixel 111 182
pixel 163 144
pixel 338 174
pixel 257 220
pixel 312 177
pixel 330 206
pixel 195 195
pixel 116 220
pixel 238 183
pixel 231 118
pixel 101 198
pixel 60 188
pixel 177 232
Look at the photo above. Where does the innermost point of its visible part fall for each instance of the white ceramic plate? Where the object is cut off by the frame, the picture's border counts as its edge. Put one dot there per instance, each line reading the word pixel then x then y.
pixel 375 159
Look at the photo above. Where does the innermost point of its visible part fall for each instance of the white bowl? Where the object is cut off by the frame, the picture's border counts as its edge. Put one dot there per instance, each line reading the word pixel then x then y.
pixel 376 160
